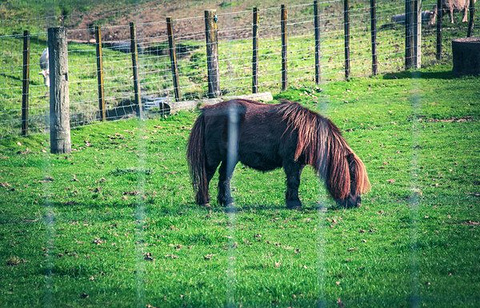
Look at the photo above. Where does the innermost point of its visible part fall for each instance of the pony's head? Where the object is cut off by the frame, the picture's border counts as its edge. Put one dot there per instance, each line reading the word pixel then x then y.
pixel 321 145
pixel 345 174
pixel 351 183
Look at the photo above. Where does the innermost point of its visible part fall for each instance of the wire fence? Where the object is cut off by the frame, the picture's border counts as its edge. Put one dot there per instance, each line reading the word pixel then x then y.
pixel 234 58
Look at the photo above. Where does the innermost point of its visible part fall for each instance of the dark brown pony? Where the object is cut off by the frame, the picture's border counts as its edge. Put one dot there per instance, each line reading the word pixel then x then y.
pixel 266 137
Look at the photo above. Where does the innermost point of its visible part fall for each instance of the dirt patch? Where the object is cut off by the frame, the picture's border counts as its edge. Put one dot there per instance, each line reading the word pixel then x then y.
pixel 453 120
pixel 150 19
pixel 234 20
pixel 471 40
pixel 471 223
pixel 447 120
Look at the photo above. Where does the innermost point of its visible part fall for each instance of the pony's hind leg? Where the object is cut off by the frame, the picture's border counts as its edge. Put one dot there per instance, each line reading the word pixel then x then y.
pixel 224 191
pixel 293 171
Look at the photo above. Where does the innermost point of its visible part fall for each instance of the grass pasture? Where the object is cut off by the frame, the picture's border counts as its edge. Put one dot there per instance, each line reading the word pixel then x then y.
pixel 114 223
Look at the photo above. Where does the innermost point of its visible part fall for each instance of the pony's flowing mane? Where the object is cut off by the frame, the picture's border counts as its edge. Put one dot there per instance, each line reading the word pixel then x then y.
pixel 323 147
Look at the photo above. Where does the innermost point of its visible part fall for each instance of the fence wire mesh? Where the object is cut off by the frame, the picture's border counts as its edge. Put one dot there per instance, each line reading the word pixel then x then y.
pixel 234 56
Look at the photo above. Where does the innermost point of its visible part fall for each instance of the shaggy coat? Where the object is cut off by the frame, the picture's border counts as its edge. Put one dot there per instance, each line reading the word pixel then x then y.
pixel 266 137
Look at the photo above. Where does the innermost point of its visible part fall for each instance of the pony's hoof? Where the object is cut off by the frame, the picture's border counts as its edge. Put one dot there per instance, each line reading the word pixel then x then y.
pixel 207 205
pixel 226 202
pixel 230 208
pixel 294 204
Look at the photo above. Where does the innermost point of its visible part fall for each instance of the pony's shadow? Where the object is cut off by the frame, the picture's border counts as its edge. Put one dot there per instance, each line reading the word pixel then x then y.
pixel 236 208
pixel 181 208
pixel 251 208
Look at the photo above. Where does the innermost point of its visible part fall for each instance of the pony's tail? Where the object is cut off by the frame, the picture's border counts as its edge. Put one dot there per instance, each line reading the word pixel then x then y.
pixel 197 161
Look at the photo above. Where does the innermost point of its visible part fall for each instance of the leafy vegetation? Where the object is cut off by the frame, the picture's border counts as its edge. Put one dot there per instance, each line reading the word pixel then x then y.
pixel 114 223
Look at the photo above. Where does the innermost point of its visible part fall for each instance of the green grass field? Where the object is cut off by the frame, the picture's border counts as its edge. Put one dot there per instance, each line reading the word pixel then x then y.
pixel 114 223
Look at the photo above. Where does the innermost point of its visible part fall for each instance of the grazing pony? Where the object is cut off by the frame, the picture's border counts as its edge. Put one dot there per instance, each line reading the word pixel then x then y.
pixel 266 137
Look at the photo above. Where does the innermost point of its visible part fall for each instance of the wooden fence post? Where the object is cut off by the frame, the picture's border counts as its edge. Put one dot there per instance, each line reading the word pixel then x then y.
pixel 136 79
pixel 373 25
pixel 417 29
pixel 346 27
pixel 211 38
pixel 59 97
pixel 173 58
pixel 470 22
pixel 25 81
pixel 409 34
pixel 101 92
pixel 283 24
pixel 439 29
pixel 316 22
pixel 255 51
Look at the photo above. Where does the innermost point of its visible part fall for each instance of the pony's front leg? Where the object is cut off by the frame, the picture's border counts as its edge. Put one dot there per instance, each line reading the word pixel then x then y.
pixel 293 171
pixel 224 192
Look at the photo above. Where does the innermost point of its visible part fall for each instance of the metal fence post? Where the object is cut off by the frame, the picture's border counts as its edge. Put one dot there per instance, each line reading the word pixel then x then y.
pixel 373 24
pixel 346 24
pixel 25 81
pixel 136 79
pixel 101 92
pixel 316 23
pixel 439 29
pixel 255 51
pixel 173 58
pixel 471 8
pixel 283 24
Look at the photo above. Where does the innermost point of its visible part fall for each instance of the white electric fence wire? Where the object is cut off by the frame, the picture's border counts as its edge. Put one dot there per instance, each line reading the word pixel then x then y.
pixel 414 195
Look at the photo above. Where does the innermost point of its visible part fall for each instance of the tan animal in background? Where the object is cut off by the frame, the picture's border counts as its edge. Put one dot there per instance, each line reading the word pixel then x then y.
pixel 452 6
pixel 45 71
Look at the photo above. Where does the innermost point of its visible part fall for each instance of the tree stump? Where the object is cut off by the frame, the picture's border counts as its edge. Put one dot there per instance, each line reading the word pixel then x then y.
pixel 466 56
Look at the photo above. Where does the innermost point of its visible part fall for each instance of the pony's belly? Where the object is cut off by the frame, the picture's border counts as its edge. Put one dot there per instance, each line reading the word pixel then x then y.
pixel 259 161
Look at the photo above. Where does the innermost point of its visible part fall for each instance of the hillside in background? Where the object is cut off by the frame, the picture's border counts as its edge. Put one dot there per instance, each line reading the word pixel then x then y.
pixel 18 15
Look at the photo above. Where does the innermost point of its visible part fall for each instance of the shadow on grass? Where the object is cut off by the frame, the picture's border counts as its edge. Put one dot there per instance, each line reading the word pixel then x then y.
pixel 182 209
pixel 99 204
pixel 11 77
pixel 416 74
pixel 306 208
